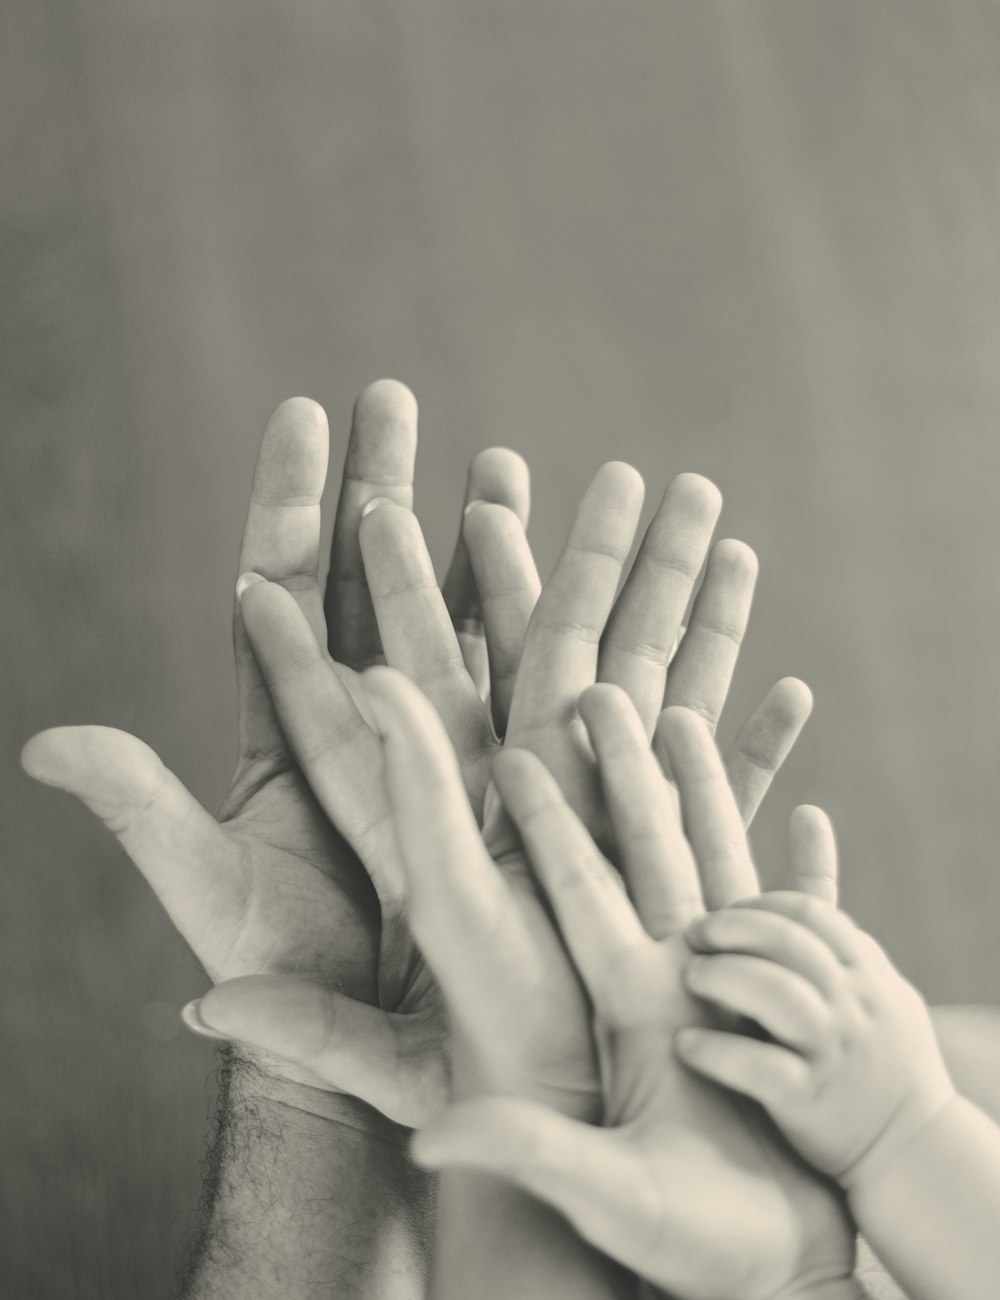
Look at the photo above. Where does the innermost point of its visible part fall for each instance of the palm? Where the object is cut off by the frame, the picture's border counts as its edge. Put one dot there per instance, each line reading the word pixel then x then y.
pixel 309 907
pixel 694 1144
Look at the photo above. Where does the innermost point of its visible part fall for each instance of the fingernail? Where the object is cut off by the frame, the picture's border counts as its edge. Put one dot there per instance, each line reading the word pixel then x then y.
pixel 692 967
pixel 246 580
pixel 191 1015
pixel 374 504
pixel 473 505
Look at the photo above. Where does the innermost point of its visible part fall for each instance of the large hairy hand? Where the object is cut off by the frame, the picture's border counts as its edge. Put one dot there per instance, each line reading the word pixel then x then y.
pixel 685 1184
pixel 272 885
pixel 579 631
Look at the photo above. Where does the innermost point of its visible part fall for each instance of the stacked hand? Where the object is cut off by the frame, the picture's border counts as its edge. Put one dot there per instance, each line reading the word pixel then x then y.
pixel 391 1054
pixel 273 885
pixel 676 1162
pixel 304 899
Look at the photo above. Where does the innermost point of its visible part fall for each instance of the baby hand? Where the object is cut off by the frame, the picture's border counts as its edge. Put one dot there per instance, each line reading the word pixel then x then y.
pixel 848 1066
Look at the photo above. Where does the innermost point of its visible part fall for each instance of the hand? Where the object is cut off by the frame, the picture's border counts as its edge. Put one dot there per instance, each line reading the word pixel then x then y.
pixel 685 1184
pixel 272 886
pixel 851 1070
pixel 577 630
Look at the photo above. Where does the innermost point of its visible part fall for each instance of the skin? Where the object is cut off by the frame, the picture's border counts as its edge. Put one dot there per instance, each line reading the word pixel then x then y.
pixel 271 886
pixel 577 630
pixel 392 1054
pixel 632 1188
pixel 274 889
pixel 852 1075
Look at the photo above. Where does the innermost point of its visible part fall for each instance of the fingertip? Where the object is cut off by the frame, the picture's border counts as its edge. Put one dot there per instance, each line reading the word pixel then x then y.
pixel 37 755
pixel 623 479
pixel 681 725
pixel 383 441
pixel 603 698
pixel 394 699
pixel 698 494
pixel 793 699
pixel 387 398
pixel 292 460
pixel 513 764
pixel 806 815
pixel 426 1151
pixel 501 476
pixel 72 758
pixel 379 517
pixel 191 1016
pixel 482 518
pixel 375 503
pixel 736 559
pixel 245 581
pixel 687 1041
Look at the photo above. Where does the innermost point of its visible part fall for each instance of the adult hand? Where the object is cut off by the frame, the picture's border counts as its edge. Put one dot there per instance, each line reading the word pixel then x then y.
pixel 684 1184
pixel 271 885
pixel 577 631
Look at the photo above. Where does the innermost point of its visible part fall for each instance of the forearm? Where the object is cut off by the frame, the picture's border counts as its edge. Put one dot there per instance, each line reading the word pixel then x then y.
pixel 932 1213
pixel 496 1242
pixel 302 1204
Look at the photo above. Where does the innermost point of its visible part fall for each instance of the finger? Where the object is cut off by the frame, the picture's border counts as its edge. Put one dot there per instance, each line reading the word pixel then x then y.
pixel 764 743
pixel 459 905
pixel 813 853
pixel 379 463
pixel 585 1172
pixel 654 856
pixel 597 921
pixel 390 1061
pixel 500 476
pixel 330 740
pixel 561 648
pixel 770 1074
pixel 834 927
pixel 781 1001
pixel 712 822
pixel 702 670
pixel 281 541
pixel 508 586
pixel 647 615
pixel 193 866
pixel 766 934
pixel 418 635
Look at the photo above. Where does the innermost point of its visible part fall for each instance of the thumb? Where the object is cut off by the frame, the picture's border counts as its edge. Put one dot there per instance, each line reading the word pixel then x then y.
pixel 589 1174
pixel 189 860
pixel 394 1062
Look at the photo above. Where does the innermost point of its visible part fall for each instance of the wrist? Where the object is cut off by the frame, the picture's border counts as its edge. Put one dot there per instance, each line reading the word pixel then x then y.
pixel 307 1195
pixel 907 1129
pixel 255 1078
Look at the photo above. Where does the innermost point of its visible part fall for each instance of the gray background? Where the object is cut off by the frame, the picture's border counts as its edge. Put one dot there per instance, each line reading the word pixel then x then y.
pixel 757 240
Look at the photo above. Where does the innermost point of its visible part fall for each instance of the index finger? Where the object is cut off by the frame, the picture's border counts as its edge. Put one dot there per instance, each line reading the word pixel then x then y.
pixel 455 891
pixel 712 821
pixel 379 463
pixel 562 643
pixel 500 477
pixel 597 921
pixel 647 615
pixel 281 542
